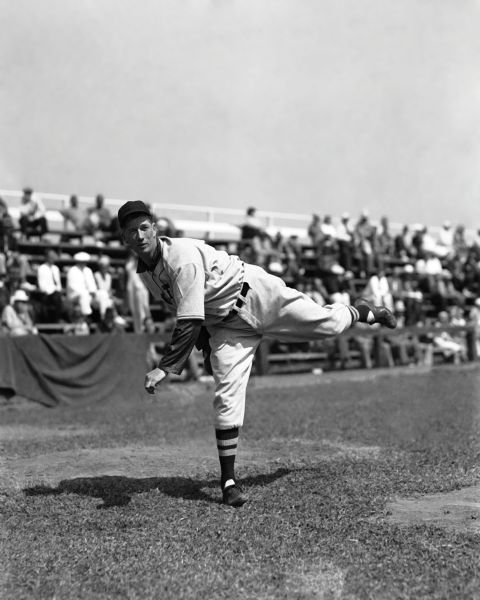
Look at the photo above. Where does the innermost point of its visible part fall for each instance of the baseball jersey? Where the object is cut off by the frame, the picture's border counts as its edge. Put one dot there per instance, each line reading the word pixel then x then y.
pixel 193 279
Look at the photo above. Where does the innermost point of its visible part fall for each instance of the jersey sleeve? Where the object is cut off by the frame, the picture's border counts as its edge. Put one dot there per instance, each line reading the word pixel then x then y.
pixel 189 292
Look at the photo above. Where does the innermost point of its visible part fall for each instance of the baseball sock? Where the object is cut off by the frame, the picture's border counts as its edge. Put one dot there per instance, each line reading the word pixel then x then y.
pixel 227 441
pixel 355 314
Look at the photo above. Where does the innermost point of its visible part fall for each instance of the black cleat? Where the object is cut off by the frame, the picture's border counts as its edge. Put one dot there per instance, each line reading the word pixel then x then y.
pixel 381 314
pixel 233 496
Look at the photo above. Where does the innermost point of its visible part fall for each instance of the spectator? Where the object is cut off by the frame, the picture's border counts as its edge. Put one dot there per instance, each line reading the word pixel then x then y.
pixel 81 286
pixel 32 219
pixel 50 285
pixel 402 245
pixel 378 291
pixel 16 317
pixel 460 246
pixel 328 262
pixel 166 227
pixel 327 227
pixel 99 220
pixel 252 225
pixel 450 348
pixel 78 322
pixel 73 216
pixel 314 230
pixel 345 238
pixel 384 244
pixel 445 240
pixel 137 295
pixel 365 234
pixel 103 279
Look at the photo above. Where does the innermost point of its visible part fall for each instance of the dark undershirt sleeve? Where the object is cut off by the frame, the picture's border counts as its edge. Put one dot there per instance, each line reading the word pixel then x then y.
pixel 178 350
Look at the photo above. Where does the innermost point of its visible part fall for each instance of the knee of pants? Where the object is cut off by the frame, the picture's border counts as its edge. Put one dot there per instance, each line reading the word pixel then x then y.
pixel 229 404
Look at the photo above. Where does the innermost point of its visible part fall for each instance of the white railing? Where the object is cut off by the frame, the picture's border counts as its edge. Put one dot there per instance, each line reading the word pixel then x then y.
pixel 198 221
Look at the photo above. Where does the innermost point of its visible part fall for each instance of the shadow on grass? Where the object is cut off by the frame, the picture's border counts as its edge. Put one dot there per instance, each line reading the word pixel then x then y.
pixel 117 490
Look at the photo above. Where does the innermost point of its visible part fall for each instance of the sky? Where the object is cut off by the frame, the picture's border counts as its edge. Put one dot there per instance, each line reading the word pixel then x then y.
pixel 298 106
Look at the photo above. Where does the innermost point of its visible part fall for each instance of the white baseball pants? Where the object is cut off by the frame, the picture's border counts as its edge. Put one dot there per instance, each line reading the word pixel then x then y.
pixel 273 310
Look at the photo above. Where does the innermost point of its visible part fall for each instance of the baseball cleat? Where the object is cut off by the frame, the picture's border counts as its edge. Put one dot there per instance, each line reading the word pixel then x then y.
pixel 381 314
pixel 233 496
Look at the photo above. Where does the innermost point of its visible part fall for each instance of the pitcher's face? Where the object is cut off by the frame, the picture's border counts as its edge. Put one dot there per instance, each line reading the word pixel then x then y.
pixel 140 235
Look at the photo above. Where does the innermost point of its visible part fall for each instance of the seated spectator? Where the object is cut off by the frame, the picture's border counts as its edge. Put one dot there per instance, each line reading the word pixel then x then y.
pixel 292 258
pixel 314 289
pixel 327 227
pixel 99 220
pixel 73 216
pixel 16 317
pixel 32 219
pixel 328 262
pixel 166 227
pixel 378 291
pixel 445 240
pixel 50 284
pixel 451 348
pixel 81 286
pixel 78 324
pixel 314 230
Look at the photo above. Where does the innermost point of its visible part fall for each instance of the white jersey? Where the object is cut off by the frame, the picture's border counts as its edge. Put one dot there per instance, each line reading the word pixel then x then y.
pixel 194 279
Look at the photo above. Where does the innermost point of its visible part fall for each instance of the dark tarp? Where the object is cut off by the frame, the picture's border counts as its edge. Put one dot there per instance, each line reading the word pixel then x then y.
pixel 62 369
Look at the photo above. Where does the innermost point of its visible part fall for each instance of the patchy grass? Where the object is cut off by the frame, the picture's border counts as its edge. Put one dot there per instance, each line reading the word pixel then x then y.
pixel 319 462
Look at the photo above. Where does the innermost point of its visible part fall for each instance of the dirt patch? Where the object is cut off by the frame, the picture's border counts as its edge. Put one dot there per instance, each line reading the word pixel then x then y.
pixel 195 458
pixel 32 432
pixel 458 510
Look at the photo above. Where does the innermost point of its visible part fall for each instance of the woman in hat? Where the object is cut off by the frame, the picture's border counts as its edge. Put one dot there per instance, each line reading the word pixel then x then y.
pixel 16 318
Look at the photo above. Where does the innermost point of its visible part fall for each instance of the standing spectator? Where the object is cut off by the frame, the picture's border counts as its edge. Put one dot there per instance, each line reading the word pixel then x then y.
pixel 460 246
pixel 137 295
pixel 32 214
pixel 344 236
pixel 50 284
pixel 252 226
pixel 16 317
pixel 99 219
pixel 81 286
pixel 365 233
pixel 314 230
pixel 384 243
pixel 103 279
pixel 402 245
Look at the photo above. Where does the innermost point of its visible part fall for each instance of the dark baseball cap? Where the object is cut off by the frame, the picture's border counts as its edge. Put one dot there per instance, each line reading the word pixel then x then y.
pixel 132 207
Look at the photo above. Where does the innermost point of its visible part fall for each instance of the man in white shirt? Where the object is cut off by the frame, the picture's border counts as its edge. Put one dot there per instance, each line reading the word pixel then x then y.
pixel 32 219
pixel 50 284
pixel 81 286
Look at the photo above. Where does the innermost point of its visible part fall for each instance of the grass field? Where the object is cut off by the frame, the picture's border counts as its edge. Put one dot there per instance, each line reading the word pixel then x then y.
pixel 360 486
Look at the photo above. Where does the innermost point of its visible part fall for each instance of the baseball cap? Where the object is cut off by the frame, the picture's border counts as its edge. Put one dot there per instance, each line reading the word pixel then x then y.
pixel 81 257
pixel 132 207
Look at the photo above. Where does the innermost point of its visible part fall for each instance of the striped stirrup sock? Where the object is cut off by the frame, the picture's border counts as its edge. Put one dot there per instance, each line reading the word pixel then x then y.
pixel 227 442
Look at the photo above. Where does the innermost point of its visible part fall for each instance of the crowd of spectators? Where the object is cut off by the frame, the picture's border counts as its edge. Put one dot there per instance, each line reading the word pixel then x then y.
pixel 426 279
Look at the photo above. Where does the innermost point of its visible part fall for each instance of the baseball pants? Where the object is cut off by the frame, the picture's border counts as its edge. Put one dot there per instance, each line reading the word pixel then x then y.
pixel 273 310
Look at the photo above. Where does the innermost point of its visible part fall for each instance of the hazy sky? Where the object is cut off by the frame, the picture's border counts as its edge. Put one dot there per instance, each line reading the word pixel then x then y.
pixel 290 105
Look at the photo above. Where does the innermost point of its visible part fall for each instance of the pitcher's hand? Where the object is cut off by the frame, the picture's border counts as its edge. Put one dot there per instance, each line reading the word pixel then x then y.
pixel 153 378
